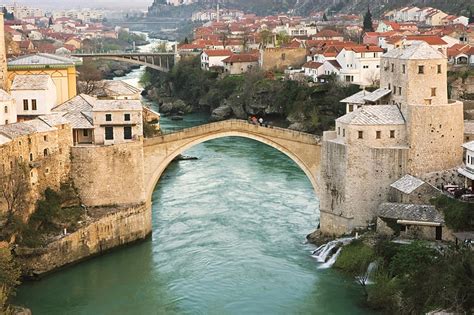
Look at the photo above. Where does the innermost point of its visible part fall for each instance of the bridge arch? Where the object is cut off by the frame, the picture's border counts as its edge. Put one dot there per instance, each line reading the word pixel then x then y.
pixel 304 149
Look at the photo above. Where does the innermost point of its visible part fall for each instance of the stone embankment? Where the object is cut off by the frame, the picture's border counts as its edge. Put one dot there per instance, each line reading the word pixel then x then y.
pixel 109 228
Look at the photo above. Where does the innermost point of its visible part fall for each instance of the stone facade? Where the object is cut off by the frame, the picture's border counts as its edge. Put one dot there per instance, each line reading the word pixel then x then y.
pixel 282 58
pixel 3 56
pixel 119 226
pixel 375 145
pixel 109 175
pixel 46 151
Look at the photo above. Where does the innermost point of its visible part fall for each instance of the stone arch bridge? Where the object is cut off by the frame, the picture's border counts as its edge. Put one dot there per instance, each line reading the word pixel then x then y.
pixel 304 149
pixel 159 61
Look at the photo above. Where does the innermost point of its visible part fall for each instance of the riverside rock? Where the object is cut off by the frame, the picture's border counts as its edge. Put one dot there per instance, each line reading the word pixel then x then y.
pixel 221 113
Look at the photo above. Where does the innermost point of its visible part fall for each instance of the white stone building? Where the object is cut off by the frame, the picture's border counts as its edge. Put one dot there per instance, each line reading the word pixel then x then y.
pixel 360 65
pixel 467 171
pixel 214 58
pixel 102 122
pixel 34 95
pixel 7 109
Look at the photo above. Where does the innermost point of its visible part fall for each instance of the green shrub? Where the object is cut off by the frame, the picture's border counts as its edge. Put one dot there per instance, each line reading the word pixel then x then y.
pixel 457 215
pixel 355 258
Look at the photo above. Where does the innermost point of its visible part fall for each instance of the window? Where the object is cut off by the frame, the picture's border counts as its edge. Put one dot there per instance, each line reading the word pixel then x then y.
pixel 108 117
pixel 33 105
pixel 31 157
pixel 393 67
pixel 109 133
pixel 439 68
pixel 45 152
pixel 338 130
pixel 351 108
pixel 378 66
pixel 399 90
pixel 85 133
pixel 361 135
pixel 365 67
pixel 389 86
pixel 421 69
pixel 403 68
pixel 6 109
pixel 127 133
pixel 6 121
pixel 433 91
pixel 427 101
pixel 283 56
pixel 343 132
pixel 126 117
pixel 378 134
pixel 45 138
pixel 392 134
pixel 25 104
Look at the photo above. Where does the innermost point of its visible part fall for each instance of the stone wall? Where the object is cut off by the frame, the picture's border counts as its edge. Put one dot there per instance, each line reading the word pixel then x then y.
pixel 355 179
pixel 435 135
pixel 119 226
pixel 109 175
pixel 45 170
pixel 282 58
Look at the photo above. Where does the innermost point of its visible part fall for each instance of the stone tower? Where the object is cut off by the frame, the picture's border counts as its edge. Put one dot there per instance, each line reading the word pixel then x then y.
pixel 417 77
pixel 3 55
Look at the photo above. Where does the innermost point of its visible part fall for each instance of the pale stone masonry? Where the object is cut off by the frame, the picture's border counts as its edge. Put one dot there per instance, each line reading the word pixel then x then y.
pixel 418 132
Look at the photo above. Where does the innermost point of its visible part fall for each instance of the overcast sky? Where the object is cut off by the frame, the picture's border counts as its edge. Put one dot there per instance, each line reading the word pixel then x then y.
pixel 139 4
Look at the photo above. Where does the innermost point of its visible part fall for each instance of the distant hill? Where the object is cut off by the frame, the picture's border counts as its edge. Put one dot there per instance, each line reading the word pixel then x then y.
pixel 305 7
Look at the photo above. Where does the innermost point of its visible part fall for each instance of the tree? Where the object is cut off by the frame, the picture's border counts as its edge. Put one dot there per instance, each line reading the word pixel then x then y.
pixel 160 48
pixel 14 188
pixel 368 25
pixel 471 17
pixel 50 22
pixel 186 40
pixel 265 37
pixel 9 279
pixel 90 78
pixel 325 18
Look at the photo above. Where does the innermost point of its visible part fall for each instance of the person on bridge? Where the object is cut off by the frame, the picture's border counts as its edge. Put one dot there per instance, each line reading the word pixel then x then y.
pixel 260 121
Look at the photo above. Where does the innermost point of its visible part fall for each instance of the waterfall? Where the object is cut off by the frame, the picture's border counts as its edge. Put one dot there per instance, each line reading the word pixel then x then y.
pixel 325 253
pixel 331 261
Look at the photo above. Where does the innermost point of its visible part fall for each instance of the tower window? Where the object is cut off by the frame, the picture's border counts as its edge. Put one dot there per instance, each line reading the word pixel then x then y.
pixel 421 69
pixel 343 132
pixel 126 117
pixel 392 134
pixel 393 67
pixel 403 68
pixel 399 90
pixel 378 134
pixel 109 133
pixel 6 109
pixel 33 105
pixel 361 134
pixel 433 91
pixel 25 104
pixel 439 68
pixel 108 117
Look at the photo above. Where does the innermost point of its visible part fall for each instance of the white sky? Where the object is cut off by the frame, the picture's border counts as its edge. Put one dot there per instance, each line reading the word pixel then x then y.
pixel 117 4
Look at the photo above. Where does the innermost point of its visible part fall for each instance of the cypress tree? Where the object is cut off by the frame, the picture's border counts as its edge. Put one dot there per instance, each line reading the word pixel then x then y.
pixel 325 18
pixel 368 26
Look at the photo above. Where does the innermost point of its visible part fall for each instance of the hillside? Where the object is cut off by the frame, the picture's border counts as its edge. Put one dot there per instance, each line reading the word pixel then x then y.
pixel 305 7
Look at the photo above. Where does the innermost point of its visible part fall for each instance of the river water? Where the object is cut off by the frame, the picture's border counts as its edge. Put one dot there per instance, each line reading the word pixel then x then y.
pixel 228 238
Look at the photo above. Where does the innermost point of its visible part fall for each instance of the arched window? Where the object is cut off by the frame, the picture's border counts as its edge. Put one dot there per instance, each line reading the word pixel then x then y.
pixel 45 152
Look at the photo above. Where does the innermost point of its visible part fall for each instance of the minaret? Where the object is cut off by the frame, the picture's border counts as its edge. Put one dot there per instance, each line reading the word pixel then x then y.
pixel 3 55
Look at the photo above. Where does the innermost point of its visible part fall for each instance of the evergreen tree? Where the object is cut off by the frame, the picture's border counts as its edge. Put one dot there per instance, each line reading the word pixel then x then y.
pixel 325 18
pixel 50 22
pixel 471 17
pixel 186 41
pixel 368 26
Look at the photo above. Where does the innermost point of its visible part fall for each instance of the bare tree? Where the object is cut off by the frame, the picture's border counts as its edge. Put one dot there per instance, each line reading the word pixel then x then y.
pixel 90 77
pixel 14 188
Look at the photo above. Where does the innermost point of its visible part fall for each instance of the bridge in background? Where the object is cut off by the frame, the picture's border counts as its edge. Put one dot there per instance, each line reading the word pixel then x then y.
pixel 158 61
pixel 303 148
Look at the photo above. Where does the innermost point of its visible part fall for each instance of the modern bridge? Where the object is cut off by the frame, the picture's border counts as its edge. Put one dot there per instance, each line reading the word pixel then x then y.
pixel 158 61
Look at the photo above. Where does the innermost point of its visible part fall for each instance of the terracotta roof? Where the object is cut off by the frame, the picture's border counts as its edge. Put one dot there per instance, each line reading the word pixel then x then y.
pixel 312 65
pixel 361 49
pixel 241 58
pixel 327 33
pixel 217 52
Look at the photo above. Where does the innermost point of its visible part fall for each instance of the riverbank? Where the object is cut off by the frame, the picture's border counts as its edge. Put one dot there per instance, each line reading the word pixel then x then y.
pixel 293 105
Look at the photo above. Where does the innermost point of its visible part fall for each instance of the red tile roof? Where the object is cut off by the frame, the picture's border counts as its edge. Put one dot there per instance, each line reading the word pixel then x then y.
pixel 312 65
pixel 241 58
pixel 217 52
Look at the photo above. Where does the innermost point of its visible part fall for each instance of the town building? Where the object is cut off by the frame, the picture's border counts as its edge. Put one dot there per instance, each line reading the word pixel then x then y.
pixel 417 132
pixel 360 64
pixel 467 171
pixel 62 71
pixel 34 95
pixel 102 122
pixel 240 63
pixel 213 59
pixel 7 109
